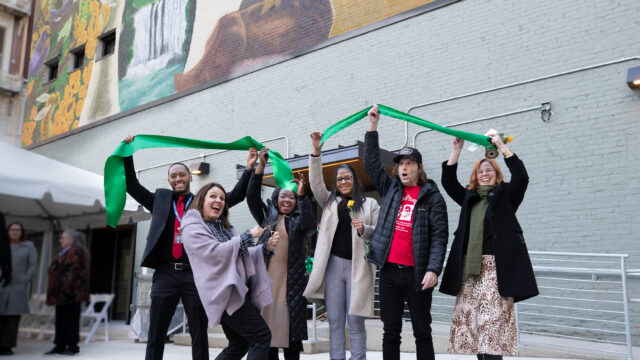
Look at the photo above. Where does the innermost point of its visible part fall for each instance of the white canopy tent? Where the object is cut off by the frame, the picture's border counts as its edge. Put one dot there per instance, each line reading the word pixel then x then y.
pixel 45 194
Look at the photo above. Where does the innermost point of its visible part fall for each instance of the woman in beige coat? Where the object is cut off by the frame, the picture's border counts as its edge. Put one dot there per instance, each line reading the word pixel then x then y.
pixel 341 275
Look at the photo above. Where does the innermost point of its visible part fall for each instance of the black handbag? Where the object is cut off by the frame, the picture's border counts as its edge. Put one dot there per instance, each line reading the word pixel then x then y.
pixel 268 231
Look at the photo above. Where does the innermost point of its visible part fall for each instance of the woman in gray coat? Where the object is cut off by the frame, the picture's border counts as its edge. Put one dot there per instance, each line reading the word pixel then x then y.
pixel 14 298
pixel 341 274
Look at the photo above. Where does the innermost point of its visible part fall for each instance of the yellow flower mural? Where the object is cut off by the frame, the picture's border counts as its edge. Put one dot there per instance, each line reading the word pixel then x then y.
pixel 27 133
pixel 58 105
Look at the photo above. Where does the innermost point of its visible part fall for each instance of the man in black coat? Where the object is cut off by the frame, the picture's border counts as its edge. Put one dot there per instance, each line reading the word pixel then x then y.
pixel 5 253
pixel 164 252
pixel 408 244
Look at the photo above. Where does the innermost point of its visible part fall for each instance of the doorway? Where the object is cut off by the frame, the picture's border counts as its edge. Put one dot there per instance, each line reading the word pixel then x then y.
pixel 112 267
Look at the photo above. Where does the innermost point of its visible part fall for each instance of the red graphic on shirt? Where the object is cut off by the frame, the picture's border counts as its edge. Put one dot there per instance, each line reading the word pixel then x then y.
pixel 401 251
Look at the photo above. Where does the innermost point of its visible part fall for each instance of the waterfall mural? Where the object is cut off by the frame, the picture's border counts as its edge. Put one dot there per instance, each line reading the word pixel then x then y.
pixel 168 46
pixel 156 51
pixel 159 35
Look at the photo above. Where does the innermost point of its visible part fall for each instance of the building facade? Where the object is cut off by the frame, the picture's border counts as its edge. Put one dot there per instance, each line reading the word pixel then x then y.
pixel 552 74
pixel 14 27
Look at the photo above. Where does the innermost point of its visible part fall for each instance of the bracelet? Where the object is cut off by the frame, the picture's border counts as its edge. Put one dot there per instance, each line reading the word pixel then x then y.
pixel 507 153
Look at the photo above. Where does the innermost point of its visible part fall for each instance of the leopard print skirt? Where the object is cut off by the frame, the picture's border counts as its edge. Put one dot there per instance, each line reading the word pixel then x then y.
pixel 483 321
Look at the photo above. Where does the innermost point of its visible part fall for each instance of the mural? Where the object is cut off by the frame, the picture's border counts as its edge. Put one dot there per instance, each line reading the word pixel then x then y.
pixel 261 32
pixel 169 46
pixel 54 107
pixel 153 47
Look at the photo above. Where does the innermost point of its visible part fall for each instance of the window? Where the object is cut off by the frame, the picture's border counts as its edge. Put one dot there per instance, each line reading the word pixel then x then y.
pixel 77 58
pixel 52 69
pixel 107 43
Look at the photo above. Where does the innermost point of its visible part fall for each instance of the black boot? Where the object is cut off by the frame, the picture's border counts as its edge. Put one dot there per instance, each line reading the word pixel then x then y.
pixel 489 357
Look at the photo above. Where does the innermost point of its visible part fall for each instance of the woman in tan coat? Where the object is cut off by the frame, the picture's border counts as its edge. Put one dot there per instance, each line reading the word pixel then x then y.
pixel 341 275
pixel 291 215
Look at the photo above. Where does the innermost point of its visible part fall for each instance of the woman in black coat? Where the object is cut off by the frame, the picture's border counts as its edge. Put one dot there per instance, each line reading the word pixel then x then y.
pixel 488 269
pixel 292 216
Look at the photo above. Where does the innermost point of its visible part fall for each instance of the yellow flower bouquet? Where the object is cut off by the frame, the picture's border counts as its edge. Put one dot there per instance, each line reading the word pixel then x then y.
pixel 354 215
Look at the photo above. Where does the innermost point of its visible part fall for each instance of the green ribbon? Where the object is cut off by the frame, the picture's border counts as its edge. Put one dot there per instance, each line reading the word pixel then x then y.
pixel 481 140
pixel 115 186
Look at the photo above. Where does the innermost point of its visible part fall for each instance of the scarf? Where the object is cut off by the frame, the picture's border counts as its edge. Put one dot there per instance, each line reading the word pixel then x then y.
pixel 473 264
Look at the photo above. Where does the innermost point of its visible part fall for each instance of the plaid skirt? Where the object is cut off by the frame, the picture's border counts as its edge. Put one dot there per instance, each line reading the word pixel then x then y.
pixel 483 321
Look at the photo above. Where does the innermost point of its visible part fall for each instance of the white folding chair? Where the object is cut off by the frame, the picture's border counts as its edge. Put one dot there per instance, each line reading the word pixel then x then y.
pixel 94 317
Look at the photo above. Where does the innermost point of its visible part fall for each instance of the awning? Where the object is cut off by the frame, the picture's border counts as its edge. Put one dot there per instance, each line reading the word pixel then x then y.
pixel 331 159
pixel 37 190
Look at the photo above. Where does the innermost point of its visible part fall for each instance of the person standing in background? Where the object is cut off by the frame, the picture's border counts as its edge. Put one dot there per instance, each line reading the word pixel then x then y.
pixel 14 298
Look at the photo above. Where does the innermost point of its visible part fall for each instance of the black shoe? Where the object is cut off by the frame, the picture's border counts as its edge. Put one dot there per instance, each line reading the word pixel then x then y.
pixel 54 351
pixel 5 351
pixel 69 352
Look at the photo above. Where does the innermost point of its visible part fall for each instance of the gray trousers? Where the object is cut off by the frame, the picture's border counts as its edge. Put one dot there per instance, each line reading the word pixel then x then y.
pixel 337 297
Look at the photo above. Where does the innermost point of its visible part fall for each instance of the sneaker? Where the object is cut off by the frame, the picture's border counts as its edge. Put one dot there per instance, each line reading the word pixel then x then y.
pixel 69 352
pixel 54 351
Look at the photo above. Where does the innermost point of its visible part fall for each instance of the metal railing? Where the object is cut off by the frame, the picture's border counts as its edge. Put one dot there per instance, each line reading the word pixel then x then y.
pixel 583 296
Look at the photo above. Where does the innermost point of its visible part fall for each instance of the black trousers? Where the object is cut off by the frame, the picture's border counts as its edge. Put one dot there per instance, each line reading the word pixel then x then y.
pixel 9 330
pixel 290 353
pixel 67 326
pixel 246 331
pixel 489 357
pixel 168 287
pixel 396 287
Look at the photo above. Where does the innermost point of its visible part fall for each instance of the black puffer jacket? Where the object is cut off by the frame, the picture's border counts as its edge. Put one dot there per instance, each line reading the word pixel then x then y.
pixel 299 225
pixel 430 225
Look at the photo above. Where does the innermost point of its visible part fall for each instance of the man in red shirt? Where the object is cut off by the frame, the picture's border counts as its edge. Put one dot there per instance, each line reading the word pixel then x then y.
pixel 409 243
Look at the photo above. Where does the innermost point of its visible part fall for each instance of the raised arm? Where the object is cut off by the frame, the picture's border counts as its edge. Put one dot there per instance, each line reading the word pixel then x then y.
pixel 316 179
pixel 134 188
pixel 238 193
pixel 372 164
pixel 519 180
pixel 449 177
pixel 257 207
pixel 519 176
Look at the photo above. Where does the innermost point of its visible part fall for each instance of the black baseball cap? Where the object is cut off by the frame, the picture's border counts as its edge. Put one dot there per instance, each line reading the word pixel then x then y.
pixel 409 152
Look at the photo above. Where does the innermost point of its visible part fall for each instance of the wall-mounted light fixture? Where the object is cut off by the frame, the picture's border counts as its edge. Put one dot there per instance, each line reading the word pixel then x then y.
pixel 199 168
pixel 633 77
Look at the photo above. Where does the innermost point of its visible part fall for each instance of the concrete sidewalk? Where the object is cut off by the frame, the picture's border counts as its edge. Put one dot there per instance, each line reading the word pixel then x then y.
pixel 532 346
pixel 121 347
pixel 125 349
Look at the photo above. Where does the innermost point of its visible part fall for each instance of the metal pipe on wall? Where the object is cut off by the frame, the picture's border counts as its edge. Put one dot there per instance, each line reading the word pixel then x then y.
pixel 544 108
pixel 509 85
